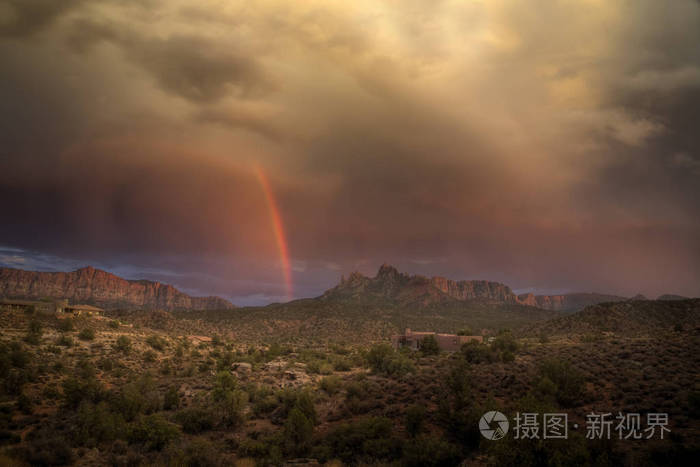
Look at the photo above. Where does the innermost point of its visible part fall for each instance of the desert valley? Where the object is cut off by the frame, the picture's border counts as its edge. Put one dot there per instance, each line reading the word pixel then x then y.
pixel 153 376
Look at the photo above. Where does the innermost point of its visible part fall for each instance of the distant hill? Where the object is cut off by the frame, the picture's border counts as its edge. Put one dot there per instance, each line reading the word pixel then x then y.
pixel 638 317
pixel 96 287
pixel 399 288
pixel 672 297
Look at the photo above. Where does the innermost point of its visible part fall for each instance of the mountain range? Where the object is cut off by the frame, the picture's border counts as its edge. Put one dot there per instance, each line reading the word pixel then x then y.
pixel 388 288
pixel 96 287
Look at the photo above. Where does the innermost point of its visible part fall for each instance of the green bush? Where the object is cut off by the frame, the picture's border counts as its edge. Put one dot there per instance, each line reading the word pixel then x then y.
pixel 331 384
pixel 136 397
pixel 156 342
pixel 153 432
pixel 385 360
pixel 65 341
pixel 96 423
pixel 430 451
pixel 476 352
pixel 65 325
pixel 123 344
pixel 77 390
pixel 429 345
pixel 86 334
pixel 566 382
pixel 195 420
pixel 232 408
pixel 414 420
pixel 34 333
pixel 44 446
pixel 365 441
pixel 149 356
pixel 171 399
pixel 114 324
pixel 298 430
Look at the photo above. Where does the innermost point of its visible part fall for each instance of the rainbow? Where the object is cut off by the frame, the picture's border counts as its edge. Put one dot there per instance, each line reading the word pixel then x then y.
pixel 278 228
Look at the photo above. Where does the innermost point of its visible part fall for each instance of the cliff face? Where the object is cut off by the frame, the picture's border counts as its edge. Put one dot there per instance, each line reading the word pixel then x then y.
pixel 390 284
pixel 93 286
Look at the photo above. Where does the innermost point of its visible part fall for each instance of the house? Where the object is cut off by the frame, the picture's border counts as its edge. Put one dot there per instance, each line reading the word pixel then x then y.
pixel 83 310
pixel 47 307
pixel 446 342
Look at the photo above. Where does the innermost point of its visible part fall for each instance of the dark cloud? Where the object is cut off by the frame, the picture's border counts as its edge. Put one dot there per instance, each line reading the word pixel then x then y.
pixel 19 18
pixel 190 66
pixel 552 147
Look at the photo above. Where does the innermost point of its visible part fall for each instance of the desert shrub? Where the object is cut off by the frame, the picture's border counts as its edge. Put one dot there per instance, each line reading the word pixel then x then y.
pixel 505 341
pixel 364 441
pixel 171 399
pixel 65 340
pixel 114 324
pixel 34 333
pixel 198 453
pixel 96 423
pixel 232 408
pixel 86 334
pixel 430 451
pixel 105 364
pixel 123 344
pixel 136 397
pixel 298 430
pixel 18 356
pixel 476 352
pixel 166 367
pixel 156 342
pixel 65 325
pixel 15 380
pixel 383 359
pixel 341 364
pixel 429 345
pixel 153 432
pixel 567 381
pixel 196 420
pixel 265 405
pixel 465 332
pixel 414 420
pixel 331 384
pixel 24 403
pixel 77 390
pixel 224 383
pixel 297 398
pixel 45 446
pixel 456 410
pixel 253 448
pixel 149 356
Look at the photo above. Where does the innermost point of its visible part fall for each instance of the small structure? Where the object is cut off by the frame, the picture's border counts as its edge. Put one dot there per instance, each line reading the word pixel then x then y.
pixel 83 310
pixel 46 307
pixel 446 342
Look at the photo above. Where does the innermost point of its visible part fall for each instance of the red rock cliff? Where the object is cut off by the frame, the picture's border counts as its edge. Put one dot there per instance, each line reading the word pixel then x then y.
pixel 93 286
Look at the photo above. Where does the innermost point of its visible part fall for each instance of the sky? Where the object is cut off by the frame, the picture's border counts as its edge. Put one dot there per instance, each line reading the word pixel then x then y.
pixel 260 150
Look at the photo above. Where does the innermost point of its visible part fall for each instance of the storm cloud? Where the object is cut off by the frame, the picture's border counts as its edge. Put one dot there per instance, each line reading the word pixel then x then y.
pixel 550 145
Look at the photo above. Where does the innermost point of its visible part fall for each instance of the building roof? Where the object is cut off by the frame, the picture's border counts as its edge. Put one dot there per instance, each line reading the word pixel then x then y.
pixel 83 308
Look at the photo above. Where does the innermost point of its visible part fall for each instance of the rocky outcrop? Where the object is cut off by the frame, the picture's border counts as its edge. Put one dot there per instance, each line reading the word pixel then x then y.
pixel 390 284
pixel 97 287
